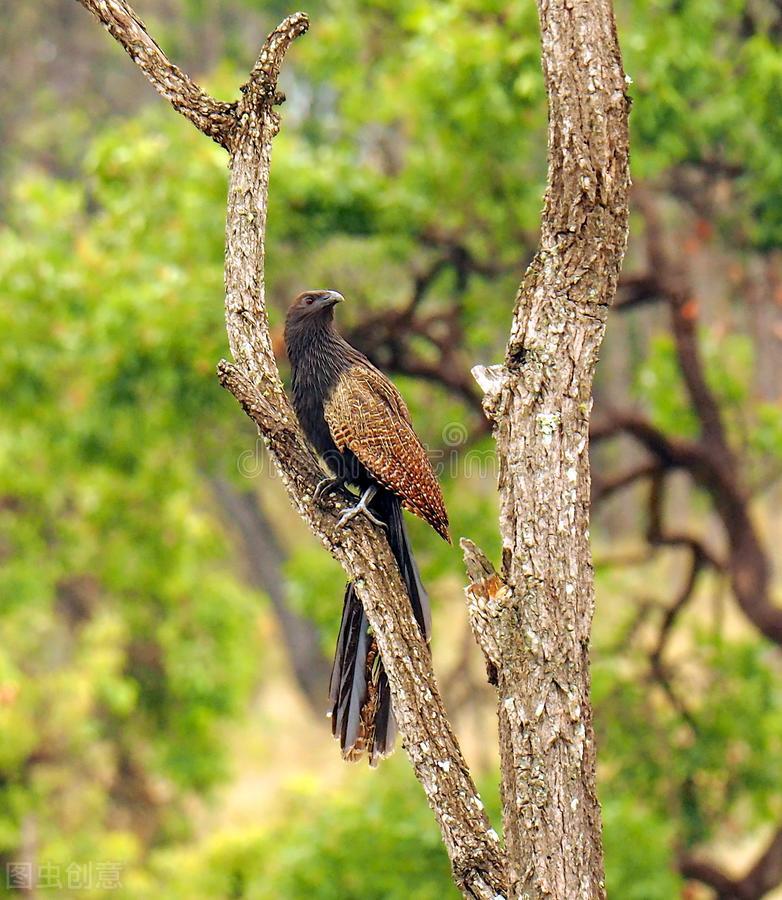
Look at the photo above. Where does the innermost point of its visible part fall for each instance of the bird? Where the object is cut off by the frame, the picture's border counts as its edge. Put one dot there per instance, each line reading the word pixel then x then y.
pixel 357 422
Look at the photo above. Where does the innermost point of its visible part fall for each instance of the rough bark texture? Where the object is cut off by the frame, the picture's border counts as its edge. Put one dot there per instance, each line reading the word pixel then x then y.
pixel 215 118
pixel 533 621
pixel 472 845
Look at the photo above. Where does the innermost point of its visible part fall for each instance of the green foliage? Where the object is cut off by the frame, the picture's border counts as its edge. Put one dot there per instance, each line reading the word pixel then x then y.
pixel 659 386
pixel 706 94
pixel 753 427
pixel 312 583
pixel 638 844
pixel 767 435
pixel 704 767
pixel 128 639
pixel 371 837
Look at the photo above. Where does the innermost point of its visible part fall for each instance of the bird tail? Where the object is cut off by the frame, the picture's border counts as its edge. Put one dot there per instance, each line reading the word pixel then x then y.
pixel 361 714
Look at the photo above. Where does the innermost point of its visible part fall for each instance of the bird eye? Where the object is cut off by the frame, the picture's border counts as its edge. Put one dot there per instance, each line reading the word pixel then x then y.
pixel 309 300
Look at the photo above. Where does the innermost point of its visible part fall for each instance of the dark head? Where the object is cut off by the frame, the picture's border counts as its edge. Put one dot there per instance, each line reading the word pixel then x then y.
pixel 313 307
pixel 315 350
pixel 310 322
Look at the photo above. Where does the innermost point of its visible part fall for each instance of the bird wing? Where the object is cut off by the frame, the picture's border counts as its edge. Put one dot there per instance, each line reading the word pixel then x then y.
pixel 367 415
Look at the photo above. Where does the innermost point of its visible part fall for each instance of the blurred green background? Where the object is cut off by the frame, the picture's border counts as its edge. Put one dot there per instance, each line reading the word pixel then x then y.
pixel 166 622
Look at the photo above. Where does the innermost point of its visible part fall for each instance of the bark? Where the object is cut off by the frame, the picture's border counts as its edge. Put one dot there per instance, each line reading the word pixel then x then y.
pixel 472 845
pixel 215 118
pixel 533 621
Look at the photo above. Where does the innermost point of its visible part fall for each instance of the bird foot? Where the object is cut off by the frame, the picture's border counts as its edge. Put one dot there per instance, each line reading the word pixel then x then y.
pixel 326 487
pixel 362 508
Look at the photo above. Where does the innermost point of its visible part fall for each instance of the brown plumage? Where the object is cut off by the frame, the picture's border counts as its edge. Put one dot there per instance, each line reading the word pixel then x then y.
pixel 358 422
pixel 367 415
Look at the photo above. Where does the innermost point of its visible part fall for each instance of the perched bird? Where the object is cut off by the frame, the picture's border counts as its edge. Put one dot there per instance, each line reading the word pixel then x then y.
pixel 359 424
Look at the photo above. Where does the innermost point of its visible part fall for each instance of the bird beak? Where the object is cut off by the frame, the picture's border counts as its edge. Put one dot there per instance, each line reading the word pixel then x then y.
pixel 331 298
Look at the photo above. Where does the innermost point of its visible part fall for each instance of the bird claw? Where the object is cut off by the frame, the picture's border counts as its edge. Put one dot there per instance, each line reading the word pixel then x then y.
pixel 326 487
pixel 361 508
pixel 351 513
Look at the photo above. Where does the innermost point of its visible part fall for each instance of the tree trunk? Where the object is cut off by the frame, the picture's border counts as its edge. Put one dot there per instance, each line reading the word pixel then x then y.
pixel 536 617
pixel 533 623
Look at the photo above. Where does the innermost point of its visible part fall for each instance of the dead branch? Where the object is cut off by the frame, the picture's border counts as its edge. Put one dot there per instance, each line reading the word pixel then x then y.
pixel 247 132
pixel 427 734
pixel 487 596
pixel 213 117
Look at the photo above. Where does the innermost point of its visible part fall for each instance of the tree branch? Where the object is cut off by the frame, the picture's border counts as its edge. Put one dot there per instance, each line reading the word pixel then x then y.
pixel 747 564
pixel 213 117
pixel 364 553
pixel 472 845
pixel 487 596
pixel 426 732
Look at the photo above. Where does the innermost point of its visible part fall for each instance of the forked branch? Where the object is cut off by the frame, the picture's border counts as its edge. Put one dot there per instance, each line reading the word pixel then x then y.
pixel 246 129
pixel 213 117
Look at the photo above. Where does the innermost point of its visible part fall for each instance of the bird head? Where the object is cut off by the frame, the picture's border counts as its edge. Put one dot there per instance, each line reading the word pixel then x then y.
pixel 312 305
